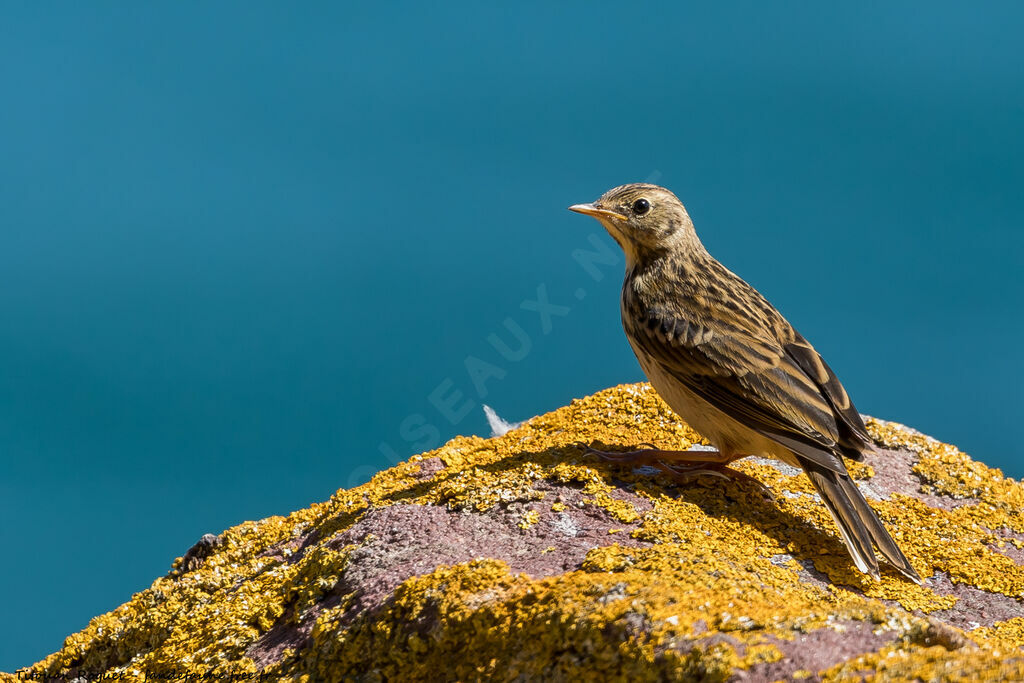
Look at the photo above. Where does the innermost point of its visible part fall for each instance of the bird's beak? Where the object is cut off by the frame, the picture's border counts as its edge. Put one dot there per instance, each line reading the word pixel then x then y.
pixel 591 210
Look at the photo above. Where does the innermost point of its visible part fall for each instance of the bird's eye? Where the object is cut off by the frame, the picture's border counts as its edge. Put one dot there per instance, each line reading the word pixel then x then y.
pixel 641 206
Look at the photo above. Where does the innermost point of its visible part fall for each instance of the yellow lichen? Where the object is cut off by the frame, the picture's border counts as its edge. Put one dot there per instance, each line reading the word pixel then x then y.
pixel 905 662
pixel 530 517
pixel 1003 636
pixel 610 559
pixel 950 471
pixel 715 559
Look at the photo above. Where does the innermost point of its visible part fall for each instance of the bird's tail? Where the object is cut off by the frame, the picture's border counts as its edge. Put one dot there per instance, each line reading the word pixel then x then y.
pixel 858 523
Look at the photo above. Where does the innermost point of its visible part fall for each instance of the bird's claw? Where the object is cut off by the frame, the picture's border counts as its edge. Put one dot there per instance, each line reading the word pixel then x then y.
pixel 641 456
pixel 682 472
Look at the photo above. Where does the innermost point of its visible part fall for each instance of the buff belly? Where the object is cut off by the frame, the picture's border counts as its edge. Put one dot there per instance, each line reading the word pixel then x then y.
pixel 729 436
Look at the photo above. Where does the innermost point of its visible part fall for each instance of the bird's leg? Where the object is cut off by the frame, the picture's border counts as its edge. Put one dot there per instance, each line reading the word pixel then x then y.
pixel 646 456
pixel 682 465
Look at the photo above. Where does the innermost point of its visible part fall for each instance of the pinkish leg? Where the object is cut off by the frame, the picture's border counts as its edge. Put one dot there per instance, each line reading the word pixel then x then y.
pixel 683 466
pixel 646 456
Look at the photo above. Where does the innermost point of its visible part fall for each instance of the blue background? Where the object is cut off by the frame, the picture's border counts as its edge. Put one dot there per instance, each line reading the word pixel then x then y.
pixel 239 247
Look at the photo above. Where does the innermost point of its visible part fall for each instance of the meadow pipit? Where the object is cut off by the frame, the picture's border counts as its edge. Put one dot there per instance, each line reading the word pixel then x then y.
pixel 728 363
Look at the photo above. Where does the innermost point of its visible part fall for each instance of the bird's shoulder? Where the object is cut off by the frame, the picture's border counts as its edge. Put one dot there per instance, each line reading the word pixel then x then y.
pixel 708 297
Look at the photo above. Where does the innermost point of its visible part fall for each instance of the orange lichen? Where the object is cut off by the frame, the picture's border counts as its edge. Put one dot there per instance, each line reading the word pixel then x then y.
pixel 911 662
pixel 950 471
pixel 1002 637
pixel 715 584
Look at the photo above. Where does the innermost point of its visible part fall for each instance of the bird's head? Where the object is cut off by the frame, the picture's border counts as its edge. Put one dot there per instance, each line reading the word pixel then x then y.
pixel 643 219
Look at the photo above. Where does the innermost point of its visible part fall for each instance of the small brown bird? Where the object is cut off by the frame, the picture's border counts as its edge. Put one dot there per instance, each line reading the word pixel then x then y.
pixel 727 362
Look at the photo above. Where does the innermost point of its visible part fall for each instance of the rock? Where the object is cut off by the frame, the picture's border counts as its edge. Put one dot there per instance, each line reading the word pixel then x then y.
pixel 193 559
pixel 519 557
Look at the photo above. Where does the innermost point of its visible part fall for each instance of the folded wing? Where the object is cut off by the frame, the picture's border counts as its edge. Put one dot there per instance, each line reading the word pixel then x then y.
pixel 766 379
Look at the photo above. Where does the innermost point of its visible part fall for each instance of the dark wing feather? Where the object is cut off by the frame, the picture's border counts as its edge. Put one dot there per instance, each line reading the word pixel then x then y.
pixel 853 435
pixel 749 375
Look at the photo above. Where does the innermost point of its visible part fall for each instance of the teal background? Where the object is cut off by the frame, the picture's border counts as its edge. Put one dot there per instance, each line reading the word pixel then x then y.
pixel 241 245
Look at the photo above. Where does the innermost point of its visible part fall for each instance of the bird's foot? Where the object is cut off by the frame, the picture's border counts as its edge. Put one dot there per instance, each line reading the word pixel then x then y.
pixel 651 454
pixel 687 473
pixel 683 466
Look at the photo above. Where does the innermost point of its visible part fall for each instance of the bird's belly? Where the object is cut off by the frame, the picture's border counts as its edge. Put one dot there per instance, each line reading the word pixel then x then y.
pixel 729 436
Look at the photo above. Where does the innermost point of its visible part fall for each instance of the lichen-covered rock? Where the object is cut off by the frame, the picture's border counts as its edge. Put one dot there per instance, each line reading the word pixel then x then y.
pixel 519 557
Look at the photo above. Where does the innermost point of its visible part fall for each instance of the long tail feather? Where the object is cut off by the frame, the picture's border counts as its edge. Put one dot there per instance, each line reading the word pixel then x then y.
pixel 885 543
pixel 858 523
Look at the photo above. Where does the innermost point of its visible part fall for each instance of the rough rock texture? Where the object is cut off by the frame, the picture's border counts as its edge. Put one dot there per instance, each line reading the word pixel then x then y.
pixel 519 557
